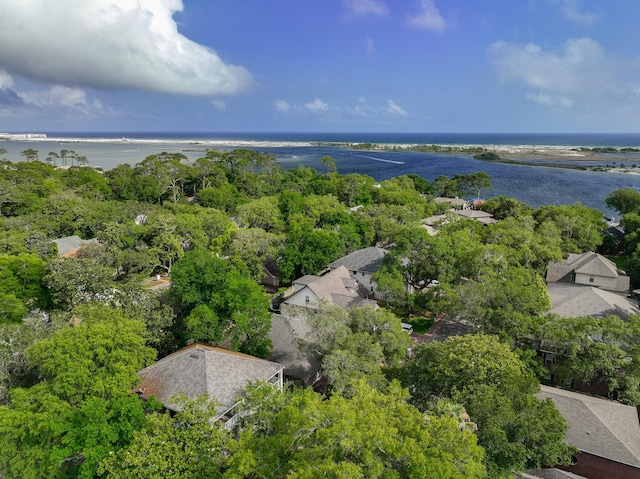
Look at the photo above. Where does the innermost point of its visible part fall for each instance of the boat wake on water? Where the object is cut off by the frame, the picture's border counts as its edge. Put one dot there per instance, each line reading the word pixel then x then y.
pixel 381 159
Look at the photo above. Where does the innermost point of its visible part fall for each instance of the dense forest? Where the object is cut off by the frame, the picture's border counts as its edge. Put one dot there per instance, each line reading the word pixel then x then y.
pixel 75 331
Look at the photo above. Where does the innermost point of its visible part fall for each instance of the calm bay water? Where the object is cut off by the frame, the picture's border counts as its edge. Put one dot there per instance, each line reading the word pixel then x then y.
pixel 534 185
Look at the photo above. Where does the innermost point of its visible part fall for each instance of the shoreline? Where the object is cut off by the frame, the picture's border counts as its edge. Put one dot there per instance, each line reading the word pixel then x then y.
pixel 557 156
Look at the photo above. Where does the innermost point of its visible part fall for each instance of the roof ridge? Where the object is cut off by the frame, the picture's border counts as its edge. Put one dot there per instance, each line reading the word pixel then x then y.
pixel 588 401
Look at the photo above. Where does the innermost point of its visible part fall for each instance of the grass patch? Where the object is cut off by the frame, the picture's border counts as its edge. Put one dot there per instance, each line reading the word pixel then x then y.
pixel 620 261
pixel 421 324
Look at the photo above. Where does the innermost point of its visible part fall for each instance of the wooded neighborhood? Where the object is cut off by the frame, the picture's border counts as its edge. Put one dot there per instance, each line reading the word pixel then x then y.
pixel 231 318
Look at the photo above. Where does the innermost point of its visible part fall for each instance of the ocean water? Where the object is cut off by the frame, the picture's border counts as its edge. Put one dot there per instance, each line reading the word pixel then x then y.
pixel 532 184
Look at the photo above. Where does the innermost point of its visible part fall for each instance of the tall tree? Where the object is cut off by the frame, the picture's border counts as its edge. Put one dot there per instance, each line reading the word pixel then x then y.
pixel 370 434
pixel 221 302
pixel 30 154
pixel 83 407
pixel 496 388
pixel 190 444
pixel 624 200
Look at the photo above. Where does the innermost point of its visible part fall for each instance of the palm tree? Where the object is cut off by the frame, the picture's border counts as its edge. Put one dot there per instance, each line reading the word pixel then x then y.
pixel 444 407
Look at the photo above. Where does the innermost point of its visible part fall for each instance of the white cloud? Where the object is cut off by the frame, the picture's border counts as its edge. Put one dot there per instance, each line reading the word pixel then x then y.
pixel 219 104
pixel 395 109
pixel 317 105
pixel 371 45
pixel 111 44
pixel 282 106
pixel 551 100
pixel 366 7
pixel 57 95
pixel 571 11
pixel 5 80
pixel 580 79
pixel 429 17
pixel 580 65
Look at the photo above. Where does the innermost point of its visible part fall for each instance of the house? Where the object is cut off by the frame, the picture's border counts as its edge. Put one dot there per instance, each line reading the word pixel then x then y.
pixel 577 301
pixel 289 328
pixel 606 433
pixel 198 369
pixel 455 203
pixel 336 287
pixel 478 215
pixel 69 245
pixel 288 338
pixel 362 264
pixel 591 269
pixel 431 223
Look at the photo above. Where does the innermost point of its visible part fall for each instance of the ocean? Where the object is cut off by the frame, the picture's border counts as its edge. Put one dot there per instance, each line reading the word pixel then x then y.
pixel 532 184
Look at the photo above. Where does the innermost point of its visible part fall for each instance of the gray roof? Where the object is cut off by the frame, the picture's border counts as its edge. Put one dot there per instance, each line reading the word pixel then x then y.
pixel 335 282
pixel 594 263
pixel 585 263
pixel 598 426
pixel 70 243
pixel 549 473
pixel 368 260
pixel 199 369
pixel 452 201
pixel 288 338
pixel 577 301
pixel 474 214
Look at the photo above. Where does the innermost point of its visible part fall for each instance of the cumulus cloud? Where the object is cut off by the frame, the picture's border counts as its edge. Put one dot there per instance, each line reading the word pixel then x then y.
pixel 317 105
pixel 282 106
pixel 572 12
pixel 551 100
pixel 429 17
pixel 366 7
pixel 111 44
pixel 57 95
pixel 579 78
pixel 219 105
pixel 6 81
pixel 579 66
pixel 395 109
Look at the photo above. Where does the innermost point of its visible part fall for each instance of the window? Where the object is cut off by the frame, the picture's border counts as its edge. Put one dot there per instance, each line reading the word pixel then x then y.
pixel 306 299
pixel 591 278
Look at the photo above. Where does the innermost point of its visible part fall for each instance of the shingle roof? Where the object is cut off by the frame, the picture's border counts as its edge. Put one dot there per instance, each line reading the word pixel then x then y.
pixel 368 260
pixel 339 288
pixel 288 335
pixel 69 243
pixel 592 263
pixel 199 369
pixel 574 301
pixel 598 426
pixel 452 201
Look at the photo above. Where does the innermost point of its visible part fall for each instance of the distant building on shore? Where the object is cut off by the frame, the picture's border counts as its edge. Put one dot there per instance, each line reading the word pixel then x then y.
pixel 22 136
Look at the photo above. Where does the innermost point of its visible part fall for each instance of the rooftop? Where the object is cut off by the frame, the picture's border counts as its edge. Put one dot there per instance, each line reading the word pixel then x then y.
pixel 198 369
pixel 598 426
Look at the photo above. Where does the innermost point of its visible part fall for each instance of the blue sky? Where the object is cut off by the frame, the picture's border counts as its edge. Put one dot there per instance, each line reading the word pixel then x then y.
pixel 325 66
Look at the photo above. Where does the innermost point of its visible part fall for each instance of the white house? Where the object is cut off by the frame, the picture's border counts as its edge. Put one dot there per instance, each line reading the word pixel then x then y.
pixel 336 287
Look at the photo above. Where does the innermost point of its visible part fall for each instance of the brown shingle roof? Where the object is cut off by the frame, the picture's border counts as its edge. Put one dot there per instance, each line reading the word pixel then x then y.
pixel 199 369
